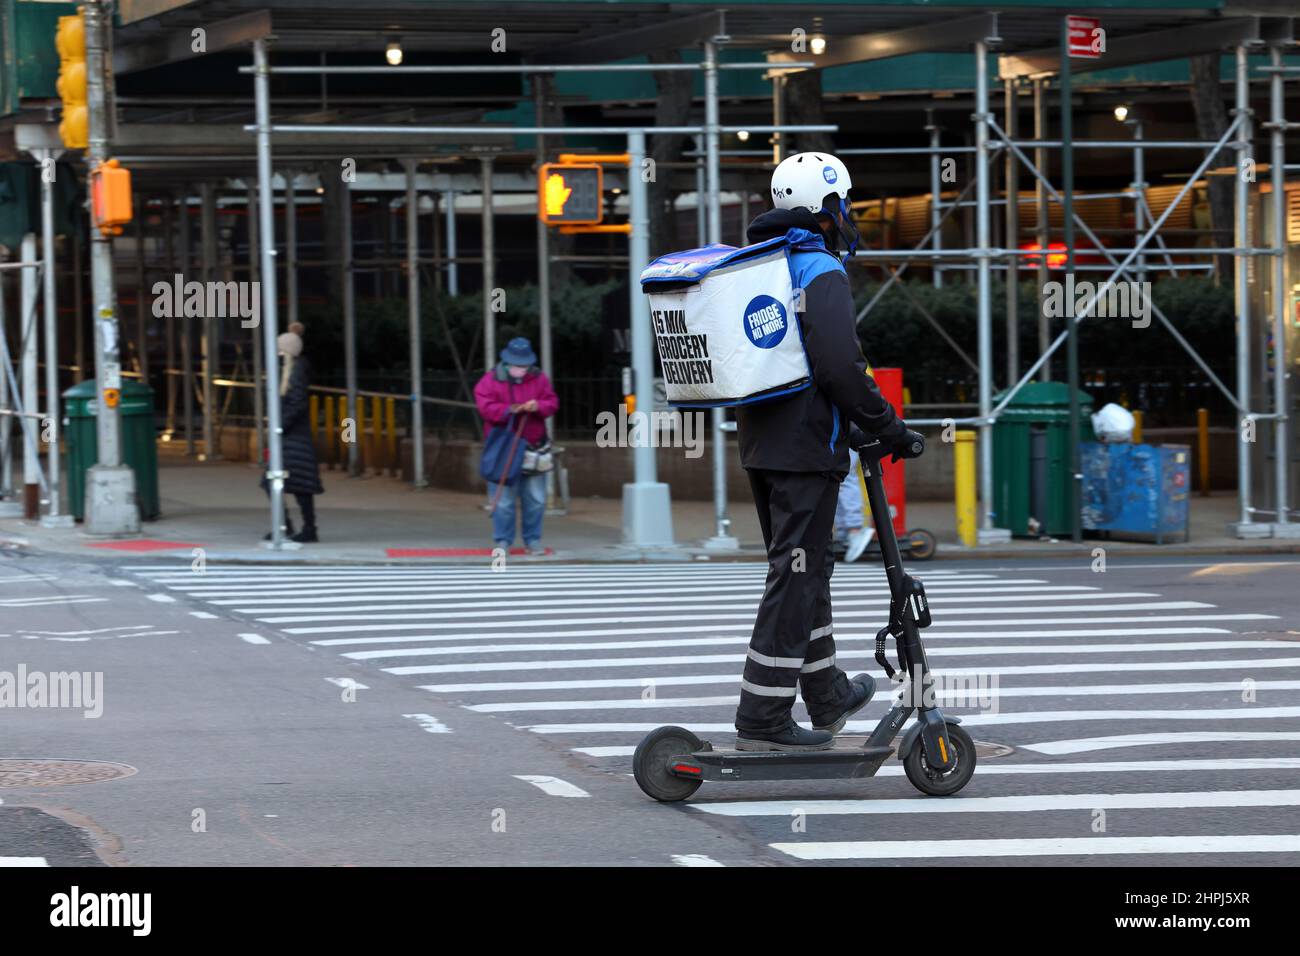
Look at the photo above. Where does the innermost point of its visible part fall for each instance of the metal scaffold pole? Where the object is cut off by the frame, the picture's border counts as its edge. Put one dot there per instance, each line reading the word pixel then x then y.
pixel 986 532
pixel 489 268
pixel 53 423
pixel 1281 444
pixel 413 317
pixel 1246 526
pixel 1072 327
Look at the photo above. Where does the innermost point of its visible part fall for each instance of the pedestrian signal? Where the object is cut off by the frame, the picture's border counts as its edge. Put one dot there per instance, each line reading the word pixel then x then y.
pixel 570 194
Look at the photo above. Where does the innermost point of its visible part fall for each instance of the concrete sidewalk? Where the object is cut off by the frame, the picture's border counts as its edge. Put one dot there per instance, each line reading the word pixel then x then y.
pixel 219 507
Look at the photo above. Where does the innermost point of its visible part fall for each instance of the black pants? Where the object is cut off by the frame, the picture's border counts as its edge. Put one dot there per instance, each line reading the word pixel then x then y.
pixel 792 642
pixel 306 504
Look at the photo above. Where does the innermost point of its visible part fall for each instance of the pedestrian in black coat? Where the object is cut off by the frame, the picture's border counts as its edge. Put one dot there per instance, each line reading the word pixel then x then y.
pixel 298 453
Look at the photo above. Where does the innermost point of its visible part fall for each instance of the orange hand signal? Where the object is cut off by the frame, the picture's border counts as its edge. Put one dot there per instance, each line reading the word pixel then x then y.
pixel 557 194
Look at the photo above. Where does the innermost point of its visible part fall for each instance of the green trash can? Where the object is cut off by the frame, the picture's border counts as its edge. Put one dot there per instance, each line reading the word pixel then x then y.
pixel 1031 458
pixel 139 443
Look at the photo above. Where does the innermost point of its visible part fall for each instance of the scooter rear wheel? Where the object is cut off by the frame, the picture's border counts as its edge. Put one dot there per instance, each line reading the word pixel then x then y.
pixel 938 783
pixel 650 763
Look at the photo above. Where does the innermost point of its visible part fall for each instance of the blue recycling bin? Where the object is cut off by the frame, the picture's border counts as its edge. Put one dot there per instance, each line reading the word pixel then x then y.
pixel 1140 489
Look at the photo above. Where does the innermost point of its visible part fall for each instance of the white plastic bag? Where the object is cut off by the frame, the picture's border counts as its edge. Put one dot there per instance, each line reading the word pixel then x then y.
pixel 1113 423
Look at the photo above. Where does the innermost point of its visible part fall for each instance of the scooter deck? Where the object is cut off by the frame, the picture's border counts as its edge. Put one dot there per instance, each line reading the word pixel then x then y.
pixel 847 760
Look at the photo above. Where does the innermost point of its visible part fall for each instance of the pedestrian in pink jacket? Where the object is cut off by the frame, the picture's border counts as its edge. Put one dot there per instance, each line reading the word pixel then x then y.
pixel 516 394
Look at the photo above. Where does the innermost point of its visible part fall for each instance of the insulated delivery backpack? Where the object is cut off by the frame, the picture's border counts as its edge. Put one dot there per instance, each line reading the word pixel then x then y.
pixel 725 323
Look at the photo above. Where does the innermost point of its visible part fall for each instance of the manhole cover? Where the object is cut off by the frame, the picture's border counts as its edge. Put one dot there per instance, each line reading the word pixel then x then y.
pixel 55 773
pixel 985 750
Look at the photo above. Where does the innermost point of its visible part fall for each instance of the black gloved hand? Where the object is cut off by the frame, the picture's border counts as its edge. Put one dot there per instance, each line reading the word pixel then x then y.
pixel 910 444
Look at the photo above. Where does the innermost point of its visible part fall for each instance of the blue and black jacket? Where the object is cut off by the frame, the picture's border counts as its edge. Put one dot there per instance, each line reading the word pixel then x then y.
pixel 808 431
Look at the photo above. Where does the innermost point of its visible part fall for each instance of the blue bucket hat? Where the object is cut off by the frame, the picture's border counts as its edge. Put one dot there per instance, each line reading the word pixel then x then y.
pixel 519 352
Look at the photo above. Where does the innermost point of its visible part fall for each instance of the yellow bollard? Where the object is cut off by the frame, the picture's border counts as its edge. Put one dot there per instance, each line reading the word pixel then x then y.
pixel 376 427
pixel 331 443
pixel 1203 448
pixel 964 480
pixel 390 418
pixel 1137 427
pixel 313 409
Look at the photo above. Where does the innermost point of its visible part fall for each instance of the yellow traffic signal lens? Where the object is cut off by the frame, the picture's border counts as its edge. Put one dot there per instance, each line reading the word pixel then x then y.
pixel 70 40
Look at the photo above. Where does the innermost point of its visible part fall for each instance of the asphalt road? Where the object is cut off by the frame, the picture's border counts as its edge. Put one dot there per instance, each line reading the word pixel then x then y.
pixel 317 715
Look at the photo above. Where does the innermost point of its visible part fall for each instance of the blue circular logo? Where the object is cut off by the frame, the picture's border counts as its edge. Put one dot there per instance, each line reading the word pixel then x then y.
pixel 765 321
pixel 828 174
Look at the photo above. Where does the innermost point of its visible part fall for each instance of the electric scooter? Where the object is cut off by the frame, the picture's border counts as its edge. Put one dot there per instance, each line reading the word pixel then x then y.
pixel 938 756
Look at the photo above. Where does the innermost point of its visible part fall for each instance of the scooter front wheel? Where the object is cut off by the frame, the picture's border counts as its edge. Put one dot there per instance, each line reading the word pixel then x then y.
pixel 650 763
pixel 939 783
pixel 921 544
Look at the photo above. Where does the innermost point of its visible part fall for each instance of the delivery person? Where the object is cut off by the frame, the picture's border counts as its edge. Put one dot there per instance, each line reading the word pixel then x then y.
pixel 795 451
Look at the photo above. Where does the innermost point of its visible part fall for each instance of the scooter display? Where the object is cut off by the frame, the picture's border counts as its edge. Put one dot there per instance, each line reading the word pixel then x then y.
pixel 938 756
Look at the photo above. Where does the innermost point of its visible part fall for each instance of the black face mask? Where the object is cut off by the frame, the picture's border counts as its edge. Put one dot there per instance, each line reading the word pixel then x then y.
pixel 844 234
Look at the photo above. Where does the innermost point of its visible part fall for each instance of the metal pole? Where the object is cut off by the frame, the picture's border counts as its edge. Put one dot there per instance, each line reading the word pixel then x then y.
pixel 275 473
pixel 169 322
pixel 435 244
pixel 647 509
pixel 986 531
pixel 1139 197
pixel 453 278
pixel 778 117
pixel 1012 237
pixel 6 403
pixel 413 319
pixel 110 486
pixel 722 536
pixel 141 331
pixel 936 241
pixel 744 215
pixel 291 243
pixel 52 404
pixel 208 251
pixel 544 270
pixel 489 268
pixel 701 209
pixel 78 305
pixel 187 328
pixel 254 271
pixel 349 327
pixel 28 338
pixel 1040 193
pixel 1244 136
pixel 1281 446
pixel 1072 327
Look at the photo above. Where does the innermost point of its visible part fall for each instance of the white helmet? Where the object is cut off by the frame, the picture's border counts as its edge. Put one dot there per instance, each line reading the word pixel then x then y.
pixel 803 180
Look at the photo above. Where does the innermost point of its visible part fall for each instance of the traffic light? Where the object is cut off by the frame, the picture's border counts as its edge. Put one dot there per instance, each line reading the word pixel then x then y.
pixel 70 39
pixel 570 194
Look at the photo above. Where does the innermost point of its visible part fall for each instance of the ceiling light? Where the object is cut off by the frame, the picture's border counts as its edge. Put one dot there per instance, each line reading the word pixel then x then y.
pixel 394 54
pixel 818 45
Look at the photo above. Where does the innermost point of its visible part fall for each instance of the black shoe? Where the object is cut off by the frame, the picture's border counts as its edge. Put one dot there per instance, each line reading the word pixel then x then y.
pixel 306 536
pixel 791 737
pixel 862 689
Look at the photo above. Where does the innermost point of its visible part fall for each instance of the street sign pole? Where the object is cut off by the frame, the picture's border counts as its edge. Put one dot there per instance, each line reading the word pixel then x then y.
pixel 110 485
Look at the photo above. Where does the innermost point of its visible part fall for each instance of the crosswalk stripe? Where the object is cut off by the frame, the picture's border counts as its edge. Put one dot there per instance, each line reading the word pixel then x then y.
pixel 968 720
pixel 590 663
pixel 941 696
pixel 552 785
pixel 1048 846
pixel 422 621
pixel 936 632
pixel 584 598
pixel 939 651
pixel 667 680
pixel 23 861
pixel 1089 744
pixel 1188 800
